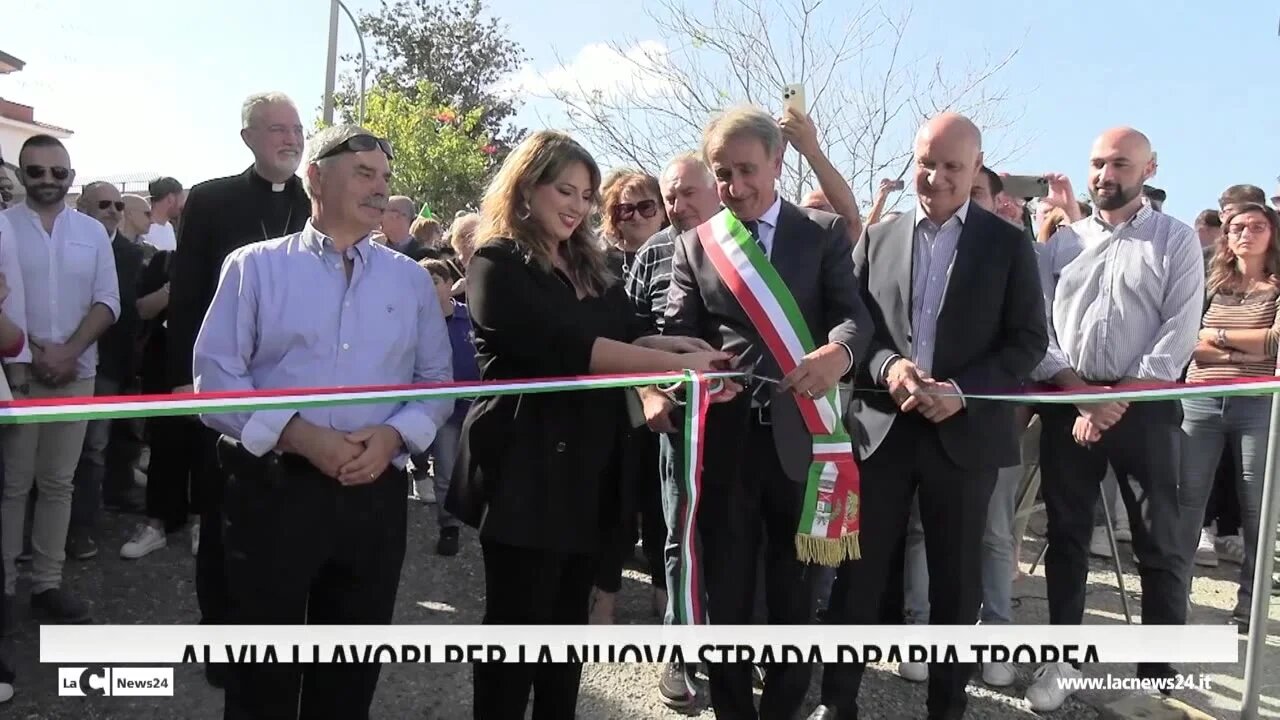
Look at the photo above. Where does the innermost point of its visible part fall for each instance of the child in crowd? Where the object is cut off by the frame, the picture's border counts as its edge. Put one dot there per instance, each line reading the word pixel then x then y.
pixel 444 450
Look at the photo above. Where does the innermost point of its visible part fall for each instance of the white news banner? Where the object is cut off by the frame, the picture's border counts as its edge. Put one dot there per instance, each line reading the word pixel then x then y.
pixel 175 644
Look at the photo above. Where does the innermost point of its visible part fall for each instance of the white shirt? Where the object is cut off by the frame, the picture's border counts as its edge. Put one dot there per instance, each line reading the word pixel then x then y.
pixel 161 237
pixel 65 274
pixel 15 306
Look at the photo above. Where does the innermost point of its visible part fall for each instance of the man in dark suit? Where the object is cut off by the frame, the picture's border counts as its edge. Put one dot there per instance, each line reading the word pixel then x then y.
pixel 758 448
pixel 955 296
pixel 265 201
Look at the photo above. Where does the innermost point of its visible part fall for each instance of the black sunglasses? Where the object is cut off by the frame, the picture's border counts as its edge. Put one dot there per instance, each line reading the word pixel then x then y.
pixel 626 211
pixel 104 204
pixel 35 172
pixel 360 143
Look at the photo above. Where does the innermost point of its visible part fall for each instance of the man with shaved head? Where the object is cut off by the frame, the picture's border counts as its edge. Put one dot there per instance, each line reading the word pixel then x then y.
pixel 1125 290
pixel 958 311
pixel 104 476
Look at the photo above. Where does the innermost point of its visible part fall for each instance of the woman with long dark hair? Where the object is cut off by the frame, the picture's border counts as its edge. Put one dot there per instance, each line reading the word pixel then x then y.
pixel 1241 331
pixel 537 474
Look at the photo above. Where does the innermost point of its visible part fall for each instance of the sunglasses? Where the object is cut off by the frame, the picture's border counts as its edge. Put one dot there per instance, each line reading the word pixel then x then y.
pixel 626 211
pixel 35 172
pixel 104 204
pixel 360 143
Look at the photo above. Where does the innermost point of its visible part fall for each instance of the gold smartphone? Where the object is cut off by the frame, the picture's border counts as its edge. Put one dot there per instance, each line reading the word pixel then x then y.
pixel 793 98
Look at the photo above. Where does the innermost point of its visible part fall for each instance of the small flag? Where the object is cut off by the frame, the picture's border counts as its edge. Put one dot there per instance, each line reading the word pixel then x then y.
pixel 425 212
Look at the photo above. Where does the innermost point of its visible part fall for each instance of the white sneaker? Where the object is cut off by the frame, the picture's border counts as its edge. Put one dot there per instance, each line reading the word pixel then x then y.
pixel 195 539
pixel 1047 692
pixel 425 490
pixel 145 541
pixel 915 672
pixel 1099 546
pixel 999 674
pixel 6 692
pixel 1206 554
pixel 1230 549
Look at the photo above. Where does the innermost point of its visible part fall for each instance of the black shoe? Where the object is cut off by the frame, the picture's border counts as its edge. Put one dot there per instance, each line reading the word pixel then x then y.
pixel 81 547
pixel 1159 671
pixel 676 688
pixel 447 545
pixel 60 607
pixel 215 675
pixel 824 712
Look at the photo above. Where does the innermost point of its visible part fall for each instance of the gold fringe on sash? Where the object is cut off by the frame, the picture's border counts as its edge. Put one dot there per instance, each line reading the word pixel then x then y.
pixel 816 550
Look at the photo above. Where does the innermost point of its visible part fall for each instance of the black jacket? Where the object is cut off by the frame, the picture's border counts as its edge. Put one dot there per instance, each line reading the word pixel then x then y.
pixel 991 333
pixel 117 356
pixel 539 470
pixel 220 216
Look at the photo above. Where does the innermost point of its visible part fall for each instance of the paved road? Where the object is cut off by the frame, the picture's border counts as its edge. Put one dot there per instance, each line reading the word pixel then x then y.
pixel 160 589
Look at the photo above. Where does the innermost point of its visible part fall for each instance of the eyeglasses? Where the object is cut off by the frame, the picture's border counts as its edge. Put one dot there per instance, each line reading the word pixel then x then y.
pixel 35 172
pixel 360 143
pixel 1256 228
pixel 104 204
pixel 626 211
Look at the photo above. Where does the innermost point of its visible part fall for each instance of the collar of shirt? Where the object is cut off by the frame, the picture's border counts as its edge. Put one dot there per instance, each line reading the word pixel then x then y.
pixel 319 243
pixel 769 223
pixel 35 218
pixel 1139 219
pixel 962 215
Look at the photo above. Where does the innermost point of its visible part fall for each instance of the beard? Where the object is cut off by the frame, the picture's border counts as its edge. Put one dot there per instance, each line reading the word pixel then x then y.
pixel 1119 197
pixel 46 195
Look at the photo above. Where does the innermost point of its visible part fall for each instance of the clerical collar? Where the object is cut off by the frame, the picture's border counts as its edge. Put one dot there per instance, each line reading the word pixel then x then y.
pixel 277 187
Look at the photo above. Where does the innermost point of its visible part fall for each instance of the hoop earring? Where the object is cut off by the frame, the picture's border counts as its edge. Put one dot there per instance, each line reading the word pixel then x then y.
pixel 524 213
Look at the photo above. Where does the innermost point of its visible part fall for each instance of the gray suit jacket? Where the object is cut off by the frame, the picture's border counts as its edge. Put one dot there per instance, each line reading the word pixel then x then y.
pixel 812 253
pixel 991 333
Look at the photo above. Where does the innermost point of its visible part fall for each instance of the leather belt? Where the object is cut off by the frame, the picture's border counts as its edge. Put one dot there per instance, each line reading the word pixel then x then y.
pixel 762 415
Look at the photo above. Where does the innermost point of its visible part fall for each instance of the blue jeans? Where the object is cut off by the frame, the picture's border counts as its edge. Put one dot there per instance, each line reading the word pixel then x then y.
pixel 674 512
pixel 1242 425
pixel 444 449
pixel 997 558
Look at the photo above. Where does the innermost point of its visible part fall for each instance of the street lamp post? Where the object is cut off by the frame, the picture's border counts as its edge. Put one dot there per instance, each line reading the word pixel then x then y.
pixel 331 62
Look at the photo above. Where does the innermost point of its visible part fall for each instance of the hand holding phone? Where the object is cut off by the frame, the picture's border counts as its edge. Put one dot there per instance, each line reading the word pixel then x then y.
pixel 793 98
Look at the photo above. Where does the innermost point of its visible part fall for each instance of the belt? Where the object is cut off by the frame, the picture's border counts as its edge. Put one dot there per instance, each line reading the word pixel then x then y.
pixel 762 415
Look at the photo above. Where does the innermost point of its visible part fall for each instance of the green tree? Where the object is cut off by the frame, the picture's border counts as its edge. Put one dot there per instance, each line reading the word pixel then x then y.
pixel 443 156
pixel 451 45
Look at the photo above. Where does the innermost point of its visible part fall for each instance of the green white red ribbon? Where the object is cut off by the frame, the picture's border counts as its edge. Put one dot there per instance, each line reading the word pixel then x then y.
pixel 687 606
pixel 828 529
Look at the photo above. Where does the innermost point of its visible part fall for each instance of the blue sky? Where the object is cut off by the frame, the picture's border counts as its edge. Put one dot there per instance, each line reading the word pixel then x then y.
pixel 157 88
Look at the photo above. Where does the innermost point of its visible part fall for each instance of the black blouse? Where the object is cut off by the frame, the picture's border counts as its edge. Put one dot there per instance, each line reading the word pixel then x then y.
pixel 539 470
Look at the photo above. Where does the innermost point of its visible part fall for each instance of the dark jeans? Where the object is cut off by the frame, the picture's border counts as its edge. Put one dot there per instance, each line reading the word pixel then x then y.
pixel 912 463
pixel 301 548
pixel 1224 502
pixel 527 586
pixel 1145 450
pixel 105 471
pixel 212 592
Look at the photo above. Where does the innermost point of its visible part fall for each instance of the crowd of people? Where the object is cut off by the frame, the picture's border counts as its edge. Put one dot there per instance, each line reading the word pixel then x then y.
pixel 275 278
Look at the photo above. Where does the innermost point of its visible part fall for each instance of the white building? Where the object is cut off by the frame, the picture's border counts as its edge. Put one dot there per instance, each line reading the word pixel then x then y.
pixel 17 123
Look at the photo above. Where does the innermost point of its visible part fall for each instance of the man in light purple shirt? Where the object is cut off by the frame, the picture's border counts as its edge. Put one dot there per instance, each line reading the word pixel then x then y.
pixel 71 297
pixel 314 513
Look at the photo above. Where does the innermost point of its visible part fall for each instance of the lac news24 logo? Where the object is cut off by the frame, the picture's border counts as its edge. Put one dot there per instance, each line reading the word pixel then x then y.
pixel 99 681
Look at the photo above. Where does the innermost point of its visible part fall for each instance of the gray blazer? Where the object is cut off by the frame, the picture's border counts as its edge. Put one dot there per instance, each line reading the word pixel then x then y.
pixel 991 333
pixel 812 253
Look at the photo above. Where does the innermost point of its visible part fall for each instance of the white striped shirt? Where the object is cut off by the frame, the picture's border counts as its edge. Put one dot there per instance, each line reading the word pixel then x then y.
pixel 1122 301
pixel 650 277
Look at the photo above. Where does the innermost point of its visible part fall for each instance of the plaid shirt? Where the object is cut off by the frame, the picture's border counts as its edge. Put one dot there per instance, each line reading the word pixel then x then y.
pixel 649 277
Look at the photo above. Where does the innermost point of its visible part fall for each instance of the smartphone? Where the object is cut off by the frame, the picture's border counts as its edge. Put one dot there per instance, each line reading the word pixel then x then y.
pixel 1026 187
pixel 793 98
pixel 898 185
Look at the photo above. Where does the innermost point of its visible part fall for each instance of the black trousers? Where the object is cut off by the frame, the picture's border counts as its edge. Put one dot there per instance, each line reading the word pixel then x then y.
pixel 301 548
pixel 212 592
pixel 953 512
pixel 642 515
pixel 527 586
pixel 742 509
pixel 1144 449
pixel 173 477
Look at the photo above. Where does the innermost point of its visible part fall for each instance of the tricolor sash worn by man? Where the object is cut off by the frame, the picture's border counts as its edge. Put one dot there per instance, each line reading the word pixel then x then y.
pixel 767 281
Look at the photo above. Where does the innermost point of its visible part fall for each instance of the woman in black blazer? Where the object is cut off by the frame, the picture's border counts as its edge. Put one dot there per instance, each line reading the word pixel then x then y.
pixel 536 473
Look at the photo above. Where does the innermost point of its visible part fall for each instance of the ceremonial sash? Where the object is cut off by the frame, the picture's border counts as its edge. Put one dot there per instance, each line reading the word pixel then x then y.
pixel 828 531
